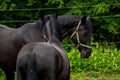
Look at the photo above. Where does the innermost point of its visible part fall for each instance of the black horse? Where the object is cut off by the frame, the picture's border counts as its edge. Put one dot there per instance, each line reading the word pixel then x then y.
pixel 44 60
pixel 12 40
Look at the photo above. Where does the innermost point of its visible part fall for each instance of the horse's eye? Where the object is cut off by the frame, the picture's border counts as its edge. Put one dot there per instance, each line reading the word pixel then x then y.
pixel 81 29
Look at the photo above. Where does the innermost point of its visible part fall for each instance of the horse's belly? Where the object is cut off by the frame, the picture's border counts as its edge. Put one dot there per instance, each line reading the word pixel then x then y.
pixel 8 56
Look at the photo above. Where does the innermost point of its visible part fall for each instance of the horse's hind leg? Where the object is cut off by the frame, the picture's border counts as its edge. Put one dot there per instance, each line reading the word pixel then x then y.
pixel 9 74
pixel 68 77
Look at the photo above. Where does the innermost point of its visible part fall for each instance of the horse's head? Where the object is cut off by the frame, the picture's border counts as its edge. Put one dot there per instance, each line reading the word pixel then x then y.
pixel 81 36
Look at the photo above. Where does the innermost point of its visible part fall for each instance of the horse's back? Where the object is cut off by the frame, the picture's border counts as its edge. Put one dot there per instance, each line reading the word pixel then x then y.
pixel 5 30
pixel 3 26
pixel 40 50
pixel 37 46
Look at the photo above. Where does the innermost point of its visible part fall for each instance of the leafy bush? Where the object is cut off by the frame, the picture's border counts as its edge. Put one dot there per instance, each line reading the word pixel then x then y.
pixel 105 14
pixel 104 58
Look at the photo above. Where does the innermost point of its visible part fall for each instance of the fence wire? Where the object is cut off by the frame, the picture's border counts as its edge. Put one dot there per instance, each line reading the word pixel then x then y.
pixel 37 9
pixel 75 7
pixel 22 21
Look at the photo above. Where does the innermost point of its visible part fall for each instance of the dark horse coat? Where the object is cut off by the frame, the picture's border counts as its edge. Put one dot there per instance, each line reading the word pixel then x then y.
pixel 12 40
pixel 43 61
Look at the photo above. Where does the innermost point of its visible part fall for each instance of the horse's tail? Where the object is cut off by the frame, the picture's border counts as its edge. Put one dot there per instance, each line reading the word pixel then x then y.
pixel 31 73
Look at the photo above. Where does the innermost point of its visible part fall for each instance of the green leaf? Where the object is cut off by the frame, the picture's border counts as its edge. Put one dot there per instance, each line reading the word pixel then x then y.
pixel 12 6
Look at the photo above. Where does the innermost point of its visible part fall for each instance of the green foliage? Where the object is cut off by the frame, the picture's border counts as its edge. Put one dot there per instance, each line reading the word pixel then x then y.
pixel 104 58
pixel 55 3
pixel 101 25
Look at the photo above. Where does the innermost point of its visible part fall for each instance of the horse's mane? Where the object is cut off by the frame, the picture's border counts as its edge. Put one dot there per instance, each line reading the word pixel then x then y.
pixel 68 20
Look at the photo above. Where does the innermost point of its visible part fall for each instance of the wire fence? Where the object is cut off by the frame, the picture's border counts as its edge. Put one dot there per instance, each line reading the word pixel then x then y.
pixel 37 9
pixel 75 7
pixel 22 21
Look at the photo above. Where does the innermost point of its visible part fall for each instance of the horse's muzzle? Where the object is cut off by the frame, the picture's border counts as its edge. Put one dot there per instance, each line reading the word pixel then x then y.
pixel 85 53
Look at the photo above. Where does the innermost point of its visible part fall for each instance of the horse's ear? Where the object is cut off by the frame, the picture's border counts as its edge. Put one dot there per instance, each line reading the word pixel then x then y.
pixel 42 17
pixel 88 18
pixel 43 20
pixel 56 14
pixel 83 20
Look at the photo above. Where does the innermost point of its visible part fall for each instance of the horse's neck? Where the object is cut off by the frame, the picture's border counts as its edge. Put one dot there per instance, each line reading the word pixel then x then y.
pixel 66 23
pixel 68 20
pixel 32 32
pixel 32 26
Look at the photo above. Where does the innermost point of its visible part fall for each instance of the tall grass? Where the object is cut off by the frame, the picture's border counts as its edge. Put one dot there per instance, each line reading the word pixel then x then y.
pixel 105 58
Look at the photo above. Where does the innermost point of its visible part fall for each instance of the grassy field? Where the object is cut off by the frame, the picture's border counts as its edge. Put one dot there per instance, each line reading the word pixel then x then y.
pixel 94 76
pixel 90 76
pixel 105 59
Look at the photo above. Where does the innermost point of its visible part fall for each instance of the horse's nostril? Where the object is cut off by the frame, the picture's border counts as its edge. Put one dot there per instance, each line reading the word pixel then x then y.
pixel 84 56
pixel 85 53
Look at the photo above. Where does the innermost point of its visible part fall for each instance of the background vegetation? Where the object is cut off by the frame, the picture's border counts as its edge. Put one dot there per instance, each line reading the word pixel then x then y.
pixel 105 17
pixel 105 14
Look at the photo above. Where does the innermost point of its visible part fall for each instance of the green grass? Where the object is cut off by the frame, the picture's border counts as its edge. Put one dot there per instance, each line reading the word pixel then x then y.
pixel 94 76
pixel 89 76
pixel 104 58
pixel 103 64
